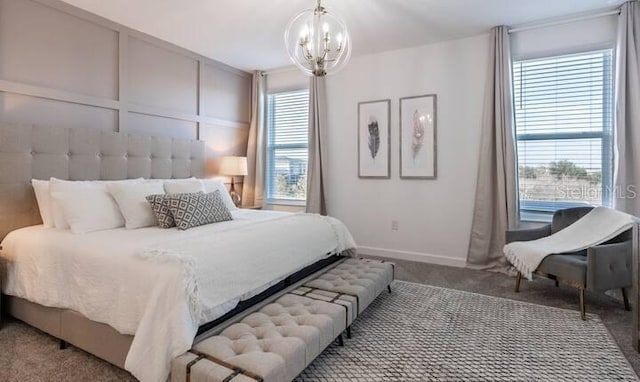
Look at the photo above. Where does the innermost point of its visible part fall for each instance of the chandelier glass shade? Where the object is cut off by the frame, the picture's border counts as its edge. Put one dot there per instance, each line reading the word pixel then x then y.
pixel 318 42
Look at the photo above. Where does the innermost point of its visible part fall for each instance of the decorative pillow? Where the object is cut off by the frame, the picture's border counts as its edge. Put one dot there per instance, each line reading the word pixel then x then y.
pixel 210 185
pixel 41 189
pixel 192 210
pixel 160 206
pixel 131 199
pixel 92 209
pixel 183 186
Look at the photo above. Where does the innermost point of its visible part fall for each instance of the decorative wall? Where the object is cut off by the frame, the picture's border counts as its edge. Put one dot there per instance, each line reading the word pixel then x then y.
pixel 62 66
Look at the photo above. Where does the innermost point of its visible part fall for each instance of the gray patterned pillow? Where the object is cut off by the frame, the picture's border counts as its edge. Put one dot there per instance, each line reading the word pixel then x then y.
pixel 192 210
pixel 160 206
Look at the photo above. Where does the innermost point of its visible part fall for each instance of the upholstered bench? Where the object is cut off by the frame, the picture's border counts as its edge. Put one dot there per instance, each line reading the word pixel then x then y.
pixel 277 342
pixel 364 279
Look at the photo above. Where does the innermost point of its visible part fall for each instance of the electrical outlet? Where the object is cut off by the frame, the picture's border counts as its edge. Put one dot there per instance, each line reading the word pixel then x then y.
pixel 394 225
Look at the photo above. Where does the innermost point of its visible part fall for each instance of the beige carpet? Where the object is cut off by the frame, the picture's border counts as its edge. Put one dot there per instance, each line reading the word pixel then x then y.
pixel 27 354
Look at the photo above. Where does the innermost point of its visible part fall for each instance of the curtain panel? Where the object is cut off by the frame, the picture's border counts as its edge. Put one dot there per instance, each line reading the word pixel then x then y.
pixel 496 202
pixel 627 110
pixel 316 174
pixel 254 183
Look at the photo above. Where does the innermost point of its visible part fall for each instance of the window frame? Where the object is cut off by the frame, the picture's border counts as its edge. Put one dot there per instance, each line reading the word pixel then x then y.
pixel 271 147
pixel 542 211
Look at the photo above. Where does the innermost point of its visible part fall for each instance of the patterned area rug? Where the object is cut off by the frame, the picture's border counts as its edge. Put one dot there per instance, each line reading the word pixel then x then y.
pixel 424 333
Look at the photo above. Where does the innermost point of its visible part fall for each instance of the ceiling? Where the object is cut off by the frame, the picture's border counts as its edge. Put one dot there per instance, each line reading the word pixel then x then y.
pixel 248 34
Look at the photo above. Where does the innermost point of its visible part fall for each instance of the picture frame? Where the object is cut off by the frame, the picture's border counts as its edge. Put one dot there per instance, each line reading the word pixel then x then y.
pixel 418 137
pixel 374 139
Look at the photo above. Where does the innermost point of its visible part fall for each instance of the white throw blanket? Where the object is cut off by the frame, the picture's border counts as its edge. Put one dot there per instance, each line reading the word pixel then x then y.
pixel 220 270
pixel 598 226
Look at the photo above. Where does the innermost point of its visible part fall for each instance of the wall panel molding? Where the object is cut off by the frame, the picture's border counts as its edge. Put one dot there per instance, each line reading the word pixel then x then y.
pixel 164 102
pixel 57 95
pixel 81 13
pixel 123 80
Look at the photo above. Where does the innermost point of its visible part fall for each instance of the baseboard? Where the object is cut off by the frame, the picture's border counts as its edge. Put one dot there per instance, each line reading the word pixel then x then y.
pixel 412 256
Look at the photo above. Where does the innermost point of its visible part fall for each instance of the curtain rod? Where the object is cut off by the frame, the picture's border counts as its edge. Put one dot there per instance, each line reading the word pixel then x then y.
pixel 565 21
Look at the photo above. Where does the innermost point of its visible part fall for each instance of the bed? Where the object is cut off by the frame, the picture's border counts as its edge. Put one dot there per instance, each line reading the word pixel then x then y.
pixel 105 290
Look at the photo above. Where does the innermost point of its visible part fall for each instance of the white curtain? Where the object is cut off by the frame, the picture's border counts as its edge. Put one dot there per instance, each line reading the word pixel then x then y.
pixel 316 174
pixel 253 185
pixel 627 105
pixel 496 203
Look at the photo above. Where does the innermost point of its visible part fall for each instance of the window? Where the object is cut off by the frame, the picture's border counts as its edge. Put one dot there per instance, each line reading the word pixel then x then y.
pixel 564 132
pixel 287 143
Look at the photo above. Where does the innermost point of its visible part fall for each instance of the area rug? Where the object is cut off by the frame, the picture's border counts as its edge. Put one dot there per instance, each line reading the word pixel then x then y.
pixel 425 333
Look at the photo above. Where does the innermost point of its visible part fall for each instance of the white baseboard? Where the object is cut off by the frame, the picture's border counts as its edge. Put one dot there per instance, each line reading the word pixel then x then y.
pixel 413 256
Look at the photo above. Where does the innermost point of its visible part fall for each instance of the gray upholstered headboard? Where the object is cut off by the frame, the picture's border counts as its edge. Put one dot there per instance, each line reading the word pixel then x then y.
pixel 37 152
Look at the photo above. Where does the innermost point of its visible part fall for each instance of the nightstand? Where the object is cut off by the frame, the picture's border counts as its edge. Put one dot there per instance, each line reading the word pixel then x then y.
pixel 251 207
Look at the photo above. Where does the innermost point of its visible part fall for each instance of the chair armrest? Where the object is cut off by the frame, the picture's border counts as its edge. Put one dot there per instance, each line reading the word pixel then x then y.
pixel 609 266
pixel 528 234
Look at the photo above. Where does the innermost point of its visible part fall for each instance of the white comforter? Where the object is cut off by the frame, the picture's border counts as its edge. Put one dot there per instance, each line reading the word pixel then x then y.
pixel 160 285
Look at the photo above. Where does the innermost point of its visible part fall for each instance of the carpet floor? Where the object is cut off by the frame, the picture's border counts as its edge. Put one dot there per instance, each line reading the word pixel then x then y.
pixel 27 354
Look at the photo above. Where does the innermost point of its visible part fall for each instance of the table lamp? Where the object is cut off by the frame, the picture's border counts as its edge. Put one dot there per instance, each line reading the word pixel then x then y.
pixel 233 166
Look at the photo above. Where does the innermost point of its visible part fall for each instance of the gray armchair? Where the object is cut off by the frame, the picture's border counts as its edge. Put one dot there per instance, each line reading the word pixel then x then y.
pixel 599 268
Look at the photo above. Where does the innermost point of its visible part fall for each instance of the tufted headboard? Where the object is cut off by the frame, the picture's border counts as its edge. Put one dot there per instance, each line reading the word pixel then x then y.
pixel 37 152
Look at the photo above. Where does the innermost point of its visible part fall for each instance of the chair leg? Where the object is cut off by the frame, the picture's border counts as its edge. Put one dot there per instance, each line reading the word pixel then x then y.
pixel 557 283
pixel 583 313
pixel 625 297
pixel 518 279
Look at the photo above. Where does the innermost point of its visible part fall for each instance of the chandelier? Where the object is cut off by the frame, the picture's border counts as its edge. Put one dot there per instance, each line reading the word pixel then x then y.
pixel 318 42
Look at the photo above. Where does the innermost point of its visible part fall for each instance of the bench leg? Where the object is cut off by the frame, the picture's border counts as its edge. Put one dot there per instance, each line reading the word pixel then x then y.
pixel 582 307
pixel 627 307
pixel 340 340
pixel 518 279
pixel 389 288
pixel 349 332
pixel 63 344
pixel 557 283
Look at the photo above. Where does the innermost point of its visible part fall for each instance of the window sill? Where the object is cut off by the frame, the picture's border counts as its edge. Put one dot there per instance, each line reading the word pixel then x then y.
pixel 536 217
pixel 287 202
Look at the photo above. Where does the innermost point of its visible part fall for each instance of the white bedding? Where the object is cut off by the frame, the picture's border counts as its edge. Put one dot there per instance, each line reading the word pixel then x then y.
pixel 137 280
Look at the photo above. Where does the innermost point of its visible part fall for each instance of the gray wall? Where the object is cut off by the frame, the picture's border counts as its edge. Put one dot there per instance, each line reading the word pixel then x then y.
pixel 62 66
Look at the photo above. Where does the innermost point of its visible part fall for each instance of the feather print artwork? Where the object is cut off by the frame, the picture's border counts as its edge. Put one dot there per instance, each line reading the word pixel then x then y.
pixel 374 137
pixel 418 133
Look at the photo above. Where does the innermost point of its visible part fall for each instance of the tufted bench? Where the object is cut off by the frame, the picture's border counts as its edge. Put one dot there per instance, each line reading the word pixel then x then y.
pixel 363 278
pixel 279 340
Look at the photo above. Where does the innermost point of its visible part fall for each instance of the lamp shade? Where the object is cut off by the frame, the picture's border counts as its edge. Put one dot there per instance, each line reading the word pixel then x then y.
pixel 233 166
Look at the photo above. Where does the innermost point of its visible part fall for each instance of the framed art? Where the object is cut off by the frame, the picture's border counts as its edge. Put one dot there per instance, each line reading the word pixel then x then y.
pixel 373 139
pixel 418 121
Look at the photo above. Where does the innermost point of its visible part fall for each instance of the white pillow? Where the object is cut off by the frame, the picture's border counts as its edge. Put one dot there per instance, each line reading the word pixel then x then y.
pixel 63 186
pixel 210 185
pixel 59 186
pixel 131 198
pixel 183 186
pixel 88 210
pixel 41 189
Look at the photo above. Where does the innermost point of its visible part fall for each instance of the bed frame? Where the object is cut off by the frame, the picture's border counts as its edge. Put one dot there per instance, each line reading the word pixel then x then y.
pixel 38 152
pixel 108 344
